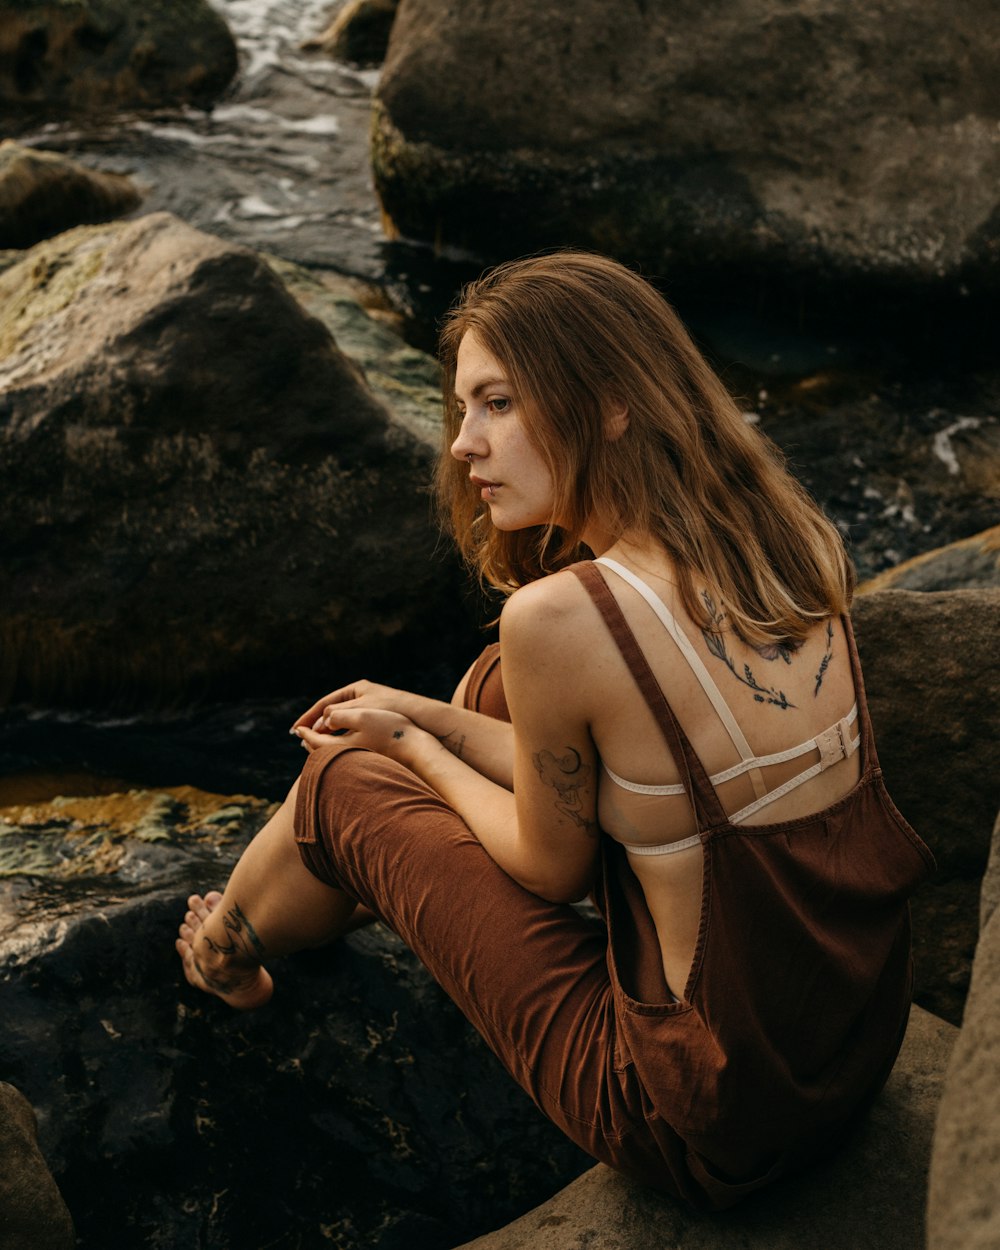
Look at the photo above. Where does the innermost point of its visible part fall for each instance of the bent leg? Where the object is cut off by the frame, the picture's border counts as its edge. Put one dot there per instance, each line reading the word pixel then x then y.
pixel 272 906
pixel 530 975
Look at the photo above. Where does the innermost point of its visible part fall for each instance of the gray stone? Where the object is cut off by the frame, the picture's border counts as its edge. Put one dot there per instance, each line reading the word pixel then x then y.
pixel 59 55
pixel 869 1197
pixel 259 514
pixel 43 193
pixel 969 564
pixel 33 1215
pixel 852 143
pixel 964 1199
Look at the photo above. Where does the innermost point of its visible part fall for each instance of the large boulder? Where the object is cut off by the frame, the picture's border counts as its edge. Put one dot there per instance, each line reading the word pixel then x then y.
pixel 57 55
pixel 964 1201
pixel 847 142
pixel 44 193
pixel 870 1197
pixel 197 489
pixel 932 673
pixel 358 1109
pixel 33 1215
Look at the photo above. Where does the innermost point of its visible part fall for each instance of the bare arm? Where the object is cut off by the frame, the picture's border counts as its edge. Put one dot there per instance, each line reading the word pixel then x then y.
pixel 545 834
pixel 483 743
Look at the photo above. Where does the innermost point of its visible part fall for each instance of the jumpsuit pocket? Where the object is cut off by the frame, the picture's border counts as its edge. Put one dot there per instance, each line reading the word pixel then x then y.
pixel 723 1193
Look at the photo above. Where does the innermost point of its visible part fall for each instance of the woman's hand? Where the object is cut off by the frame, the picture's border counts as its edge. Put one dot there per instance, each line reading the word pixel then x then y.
pixel 388 733
pixel 365 694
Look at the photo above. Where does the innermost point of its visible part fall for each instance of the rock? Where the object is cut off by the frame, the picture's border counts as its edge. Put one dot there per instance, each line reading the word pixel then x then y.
pixel 932 673
pixel 405 380
pixel 59 55
pixel 358 1108
pixel 970 563
pixel 43 193
pixel 901 467
pixel 809 141
pixel 33 1215
pixel 964 1206
pixel 990 896
pixel 359 33
pixel 260 516
pixel 869 1197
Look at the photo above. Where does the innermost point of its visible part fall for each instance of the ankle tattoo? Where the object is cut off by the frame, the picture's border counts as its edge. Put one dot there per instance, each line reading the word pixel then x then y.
pixel 243 940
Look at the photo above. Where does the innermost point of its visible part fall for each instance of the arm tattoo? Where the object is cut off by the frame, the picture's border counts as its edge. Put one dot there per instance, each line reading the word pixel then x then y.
pixel 717 645
pixel 448 742
pixel 569 777
pixel 824 664
pixel 243 939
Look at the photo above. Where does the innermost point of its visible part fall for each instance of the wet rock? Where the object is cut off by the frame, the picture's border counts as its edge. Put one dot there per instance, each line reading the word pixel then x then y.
pixel 357 1109
pixel 359 33
pixel 198 489
pixel 871 1195
pixel 109 54
pixel 970 563
pixel 759 137
pixel 902 467
pixel 33 1215
pixel 963 1205
pixel 43 193
pixel 407 381
pixel 932 673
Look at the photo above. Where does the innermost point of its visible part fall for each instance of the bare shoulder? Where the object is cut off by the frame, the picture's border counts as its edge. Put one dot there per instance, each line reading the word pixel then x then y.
pixel 546 617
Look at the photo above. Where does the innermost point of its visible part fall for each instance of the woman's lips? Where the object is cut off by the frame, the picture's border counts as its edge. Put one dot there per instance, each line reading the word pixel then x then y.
pixel 487 489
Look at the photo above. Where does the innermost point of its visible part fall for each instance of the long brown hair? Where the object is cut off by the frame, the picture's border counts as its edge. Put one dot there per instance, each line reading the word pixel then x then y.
pixel 580 338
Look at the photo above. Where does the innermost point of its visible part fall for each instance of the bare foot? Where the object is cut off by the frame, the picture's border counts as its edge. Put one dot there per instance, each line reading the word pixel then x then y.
pixel 221 969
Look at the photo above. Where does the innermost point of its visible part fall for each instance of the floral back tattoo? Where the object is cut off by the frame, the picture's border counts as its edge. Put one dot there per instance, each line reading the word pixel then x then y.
pixel 773 695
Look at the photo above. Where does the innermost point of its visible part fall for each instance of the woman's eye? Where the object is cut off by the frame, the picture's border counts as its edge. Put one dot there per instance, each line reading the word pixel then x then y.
pixel 498 404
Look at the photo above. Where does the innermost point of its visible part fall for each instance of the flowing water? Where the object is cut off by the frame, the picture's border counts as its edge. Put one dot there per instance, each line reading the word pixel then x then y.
pixel 280 163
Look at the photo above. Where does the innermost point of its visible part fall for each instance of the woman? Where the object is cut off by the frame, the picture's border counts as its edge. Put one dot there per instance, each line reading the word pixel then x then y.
pixel 687 741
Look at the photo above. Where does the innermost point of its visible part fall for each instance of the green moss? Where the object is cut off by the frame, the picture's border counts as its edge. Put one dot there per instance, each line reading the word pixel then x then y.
pixel 48 279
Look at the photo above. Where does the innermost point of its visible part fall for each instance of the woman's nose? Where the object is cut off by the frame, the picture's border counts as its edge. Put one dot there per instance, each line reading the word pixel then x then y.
pixel 466 444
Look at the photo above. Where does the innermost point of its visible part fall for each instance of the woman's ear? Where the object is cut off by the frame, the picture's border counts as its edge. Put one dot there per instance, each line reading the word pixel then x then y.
pixel 615 421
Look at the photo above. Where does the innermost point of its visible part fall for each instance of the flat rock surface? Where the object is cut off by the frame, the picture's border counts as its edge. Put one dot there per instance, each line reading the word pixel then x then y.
pixel 870 1197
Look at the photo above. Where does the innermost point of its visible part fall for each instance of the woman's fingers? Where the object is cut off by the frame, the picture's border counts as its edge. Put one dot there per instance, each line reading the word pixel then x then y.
pixel 310 716
pixel 346 694
pixel 310 739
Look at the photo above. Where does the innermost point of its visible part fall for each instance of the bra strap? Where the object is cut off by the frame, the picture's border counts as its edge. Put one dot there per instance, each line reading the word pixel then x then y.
pixel 708 810
pixel 697 666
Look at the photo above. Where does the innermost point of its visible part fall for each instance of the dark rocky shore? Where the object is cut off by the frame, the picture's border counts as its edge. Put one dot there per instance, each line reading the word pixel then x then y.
pixel 217 432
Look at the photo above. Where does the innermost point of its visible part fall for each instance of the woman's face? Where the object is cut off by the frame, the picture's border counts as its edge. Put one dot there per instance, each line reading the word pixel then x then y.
pixel 511 473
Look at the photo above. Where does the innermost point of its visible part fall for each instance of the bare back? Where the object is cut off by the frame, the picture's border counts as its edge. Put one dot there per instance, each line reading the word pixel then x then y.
pixel 780 699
